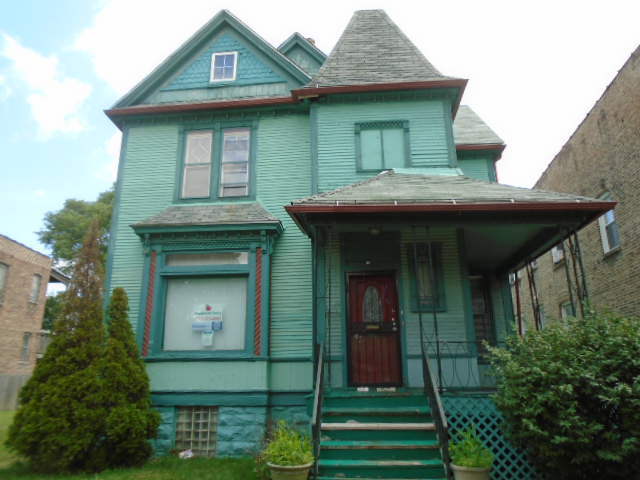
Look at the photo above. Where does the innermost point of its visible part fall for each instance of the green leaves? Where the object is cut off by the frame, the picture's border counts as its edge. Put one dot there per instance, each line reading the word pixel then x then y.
pixel 288 447
pixel 570 396
pixel 469 451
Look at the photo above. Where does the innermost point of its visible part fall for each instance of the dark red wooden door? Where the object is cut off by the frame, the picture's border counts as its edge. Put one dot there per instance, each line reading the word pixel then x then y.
pixel 374 331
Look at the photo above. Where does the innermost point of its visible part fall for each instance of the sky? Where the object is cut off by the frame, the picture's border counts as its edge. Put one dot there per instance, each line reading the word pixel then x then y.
pixel 535 69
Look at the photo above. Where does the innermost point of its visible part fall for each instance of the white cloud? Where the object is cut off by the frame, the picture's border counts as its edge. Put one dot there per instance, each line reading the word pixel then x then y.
pixel 54 98
pixel 40 193
pixel 109 170
pixel 5 90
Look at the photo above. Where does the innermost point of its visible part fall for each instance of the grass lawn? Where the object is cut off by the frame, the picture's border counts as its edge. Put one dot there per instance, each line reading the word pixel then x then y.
pixel 169 468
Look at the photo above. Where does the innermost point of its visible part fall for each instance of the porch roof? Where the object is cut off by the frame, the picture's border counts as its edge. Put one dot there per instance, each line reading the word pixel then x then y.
pixel 198 217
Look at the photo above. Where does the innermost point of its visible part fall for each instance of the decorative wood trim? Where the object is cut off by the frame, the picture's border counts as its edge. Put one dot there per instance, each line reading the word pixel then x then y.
pixel 257 339
pixel 149 309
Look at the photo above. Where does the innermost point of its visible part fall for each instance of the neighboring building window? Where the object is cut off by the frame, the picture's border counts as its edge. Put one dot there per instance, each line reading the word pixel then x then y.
pixel 229 166
pixel 4 272
pixel 566 310
pixel 609 232
pixel 36 283
pixel 427 279
pixel 206 302
pixel 557 253
pixel 223 66
pixel 382 145
pixel 26 341
pixel 234 167
pixel 196 430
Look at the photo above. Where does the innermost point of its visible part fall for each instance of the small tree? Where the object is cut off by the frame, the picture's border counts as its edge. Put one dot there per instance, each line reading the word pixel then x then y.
pixel 60 422
pixel 570 395
pixel 131 422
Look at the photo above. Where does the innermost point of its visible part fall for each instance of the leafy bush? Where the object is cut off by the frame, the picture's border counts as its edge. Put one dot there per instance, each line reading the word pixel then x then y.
pixel 469 451
pixel 288 447
pixel 570 395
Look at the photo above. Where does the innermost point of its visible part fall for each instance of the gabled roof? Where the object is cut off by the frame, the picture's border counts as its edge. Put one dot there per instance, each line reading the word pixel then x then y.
pixel 421 189
pixel 179 217
pixel 373 50
pixel 193 44
pixel 296 39
pixel 470 129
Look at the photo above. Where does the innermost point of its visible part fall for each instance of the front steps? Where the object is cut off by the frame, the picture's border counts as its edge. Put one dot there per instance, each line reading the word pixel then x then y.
pixel 372 435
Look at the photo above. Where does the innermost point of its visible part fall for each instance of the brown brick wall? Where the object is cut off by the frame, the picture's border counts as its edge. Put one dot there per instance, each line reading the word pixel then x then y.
pixel 603 155
pixel 17 314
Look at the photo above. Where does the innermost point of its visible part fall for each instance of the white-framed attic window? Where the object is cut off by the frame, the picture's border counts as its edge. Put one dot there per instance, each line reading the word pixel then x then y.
pixel 224 66
pixel 609 232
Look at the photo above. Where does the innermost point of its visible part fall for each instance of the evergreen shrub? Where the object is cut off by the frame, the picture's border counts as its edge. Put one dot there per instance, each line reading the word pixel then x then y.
pixel 570 396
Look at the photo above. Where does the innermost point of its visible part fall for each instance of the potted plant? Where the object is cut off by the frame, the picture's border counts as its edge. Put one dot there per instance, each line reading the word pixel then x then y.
pixel 289 454
pixel 470 459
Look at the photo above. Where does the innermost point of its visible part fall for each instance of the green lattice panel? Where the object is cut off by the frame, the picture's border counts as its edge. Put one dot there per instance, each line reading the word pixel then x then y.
pixel 466 410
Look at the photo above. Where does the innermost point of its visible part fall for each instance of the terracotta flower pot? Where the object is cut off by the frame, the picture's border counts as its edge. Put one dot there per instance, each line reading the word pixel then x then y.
pixel 470 473
pixel 295 472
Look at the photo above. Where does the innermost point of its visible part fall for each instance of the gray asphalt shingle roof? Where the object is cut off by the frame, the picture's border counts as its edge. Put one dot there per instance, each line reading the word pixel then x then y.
pixel 391 187
pixel 469 129
pixel 222 214
pixel 372 49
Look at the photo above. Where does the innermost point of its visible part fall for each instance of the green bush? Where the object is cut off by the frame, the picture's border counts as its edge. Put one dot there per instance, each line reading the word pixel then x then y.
pixel 468 451
pixel 288 447
pixel 570 395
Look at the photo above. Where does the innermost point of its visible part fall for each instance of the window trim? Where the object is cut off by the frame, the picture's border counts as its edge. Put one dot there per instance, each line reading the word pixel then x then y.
pixel 438 270
pixel 381 125
pixel 212 78
pixel 602 227
pixel 3 290
pixel 165 273
pixel 218 129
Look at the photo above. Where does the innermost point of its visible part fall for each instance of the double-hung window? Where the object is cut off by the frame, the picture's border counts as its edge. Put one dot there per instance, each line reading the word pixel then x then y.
pixel 382 145
pixel 217 164
pixel 609 232
pixel 36 284
pixel 427 279
pixel 224 66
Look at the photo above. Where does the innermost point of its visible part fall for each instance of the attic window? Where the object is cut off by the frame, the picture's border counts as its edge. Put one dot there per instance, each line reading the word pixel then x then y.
pixel 223 66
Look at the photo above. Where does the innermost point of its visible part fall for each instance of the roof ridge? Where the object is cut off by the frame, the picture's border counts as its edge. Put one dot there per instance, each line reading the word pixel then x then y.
pixel 25 246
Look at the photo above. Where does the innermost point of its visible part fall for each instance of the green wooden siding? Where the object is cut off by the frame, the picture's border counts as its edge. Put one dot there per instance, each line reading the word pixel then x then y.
pixel 478 165
pixel 147 187
pixel 304 60
pixel 284 174
pixel 428 136
pixel 207 376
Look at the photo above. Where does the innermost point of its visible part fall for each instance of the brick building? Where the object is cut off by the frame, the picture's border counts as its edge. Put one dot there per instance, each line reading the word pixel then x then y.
pixel 24 274
pixel 601 160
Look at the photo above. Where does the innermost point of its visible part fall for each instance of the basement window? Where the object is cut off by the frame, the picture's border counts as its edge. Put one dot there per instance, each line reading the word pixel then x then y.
pixel 223 66
pixel 196 430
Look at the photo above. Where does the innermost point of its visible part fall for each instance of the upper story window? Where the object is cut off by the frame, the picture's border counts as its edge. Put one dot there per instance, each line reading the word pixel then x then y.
pixel 4 271
pixel 609 232
pixel 217 164
pixel 224 66
pixel 557 253
pixel 36 283
pixel 382 145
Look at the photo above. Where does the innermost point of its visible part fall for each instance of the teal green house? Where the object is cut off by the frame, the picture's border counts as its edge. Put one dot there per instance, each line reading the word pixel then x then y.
pixel 321 239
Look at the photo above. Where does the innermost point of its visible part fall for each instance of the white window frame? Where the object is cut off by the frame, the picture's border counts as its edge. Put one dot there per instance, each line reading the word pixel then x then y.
pixel 212 78
pixel 558 253
pixel 603 224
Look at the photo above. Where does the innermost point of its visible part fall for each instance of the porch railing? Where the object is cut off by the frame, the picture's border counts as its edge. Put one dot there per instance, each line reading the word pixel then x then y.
pixel 437 412
pixel 316 416
pixel 461 365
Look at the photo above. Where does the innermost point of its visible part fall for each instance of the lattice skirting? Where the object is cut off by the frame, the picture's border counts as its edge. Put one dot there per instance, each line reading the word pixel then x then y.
pixel 463 411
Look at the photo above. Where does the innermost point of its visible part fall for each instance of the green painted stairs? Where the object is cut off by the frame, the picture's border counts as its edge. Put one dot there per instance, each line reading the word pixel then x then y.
pixel 371 435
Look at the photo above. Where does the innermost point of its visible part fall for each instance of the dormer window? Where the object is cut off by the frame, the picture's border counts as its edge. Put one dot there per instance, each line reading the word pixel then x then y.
pixel 223 66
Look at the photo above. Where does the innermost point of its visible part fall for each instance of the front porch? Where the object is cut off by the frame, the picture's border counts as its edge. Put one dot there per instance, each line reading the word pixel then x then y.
pixel 410 282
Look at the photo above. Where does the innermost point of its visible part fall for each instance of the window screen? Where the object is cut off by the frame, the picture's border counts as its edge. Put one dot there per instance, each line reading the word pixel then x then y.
pixel 426 276
pixel 234 167
pixel 197 164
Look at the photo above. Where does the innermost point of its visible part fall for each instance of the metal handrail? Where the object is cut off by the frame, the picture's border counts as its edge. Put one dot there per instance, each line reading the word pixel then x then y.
pixel 316 417
pixel 437 412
